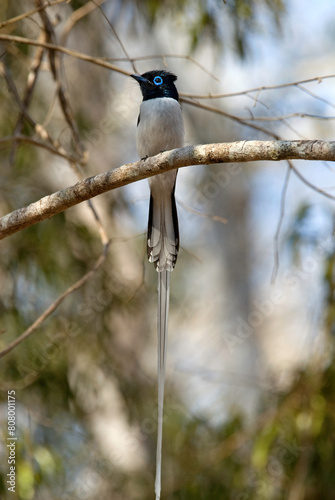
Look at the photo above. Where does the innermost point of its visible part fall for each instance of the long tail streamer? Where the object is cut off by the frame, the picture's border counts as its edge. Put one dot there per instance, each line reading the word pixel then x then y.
pixel 162 330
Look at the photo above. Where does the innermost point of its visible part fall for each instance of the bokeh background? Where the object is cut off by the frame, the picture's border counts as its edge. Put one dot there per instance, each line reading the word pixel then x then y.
pixel 249 407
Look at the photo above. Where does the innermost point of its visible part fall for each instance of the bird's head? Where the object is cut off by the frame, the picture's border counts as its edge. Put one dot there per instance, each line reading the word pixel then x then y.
pixel 157 83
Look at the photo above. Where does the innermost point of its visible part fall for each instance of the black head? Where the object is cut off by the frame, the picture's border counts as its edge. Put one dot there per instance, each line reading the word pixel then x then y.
pixel 157 83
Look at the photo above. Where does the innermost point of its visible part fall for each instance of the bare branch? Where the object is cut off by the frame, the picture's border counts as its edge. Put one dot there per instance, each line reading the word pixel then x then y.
pixel 310 184
pixel 64 50
pixel 123 48
pixel 241 121
pixel 163 58
pixel 242 151
pixel 314 95
pixel 216 218
pixel 55 66
pixel 40 129
pixel 287 117
pixel 16 19
pixel 76 15
pixel 280 221
pixel 56 150
pixel 318 79
pixel 38 322
pixel 31 82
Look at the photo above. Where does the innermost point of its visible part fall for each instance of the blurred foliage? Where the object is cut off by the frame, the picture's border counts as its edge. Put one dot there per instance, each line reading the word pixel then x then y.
pixel 97 336
pixel 206 19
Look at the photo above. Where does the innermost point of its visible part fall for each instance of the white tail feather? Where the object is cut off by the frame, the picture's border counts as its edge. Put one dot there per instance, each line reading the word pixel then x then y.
pixel 162 328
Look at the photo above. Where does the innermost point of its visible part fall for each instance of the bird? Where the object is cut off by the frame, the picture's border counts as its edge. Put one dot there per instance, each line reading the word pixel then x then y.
pixel 160 128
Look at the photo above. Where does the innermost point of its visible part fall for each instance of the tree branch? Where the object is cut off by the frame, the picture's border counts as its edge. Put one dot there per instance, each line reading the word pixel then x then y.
pixel 242 151
pixel 64 50
pixel 49 310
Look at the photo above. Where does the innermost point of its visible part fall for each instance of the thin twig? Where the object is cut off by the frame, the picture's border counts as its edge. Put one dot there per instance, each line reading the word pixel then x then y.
pixel 38 322
pixel 231 117
pixel 76 15
pixel 315 96
pixel 298 483
pixel 31 82
pixel 55 148
pixel 286 117
pixel 123 48
pixel 101 229
pixel 318 79
pixel 59 151
pixel 215 218
pixel 165 56
pixel 16 19
pixel 55 65
pixel 309 184
pixel 64 50
pixel 280 221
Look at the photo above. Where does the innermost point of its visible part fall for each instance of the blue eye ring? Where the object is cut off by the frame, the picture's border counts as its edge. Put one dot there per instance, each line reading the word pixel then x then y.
pixel 158 80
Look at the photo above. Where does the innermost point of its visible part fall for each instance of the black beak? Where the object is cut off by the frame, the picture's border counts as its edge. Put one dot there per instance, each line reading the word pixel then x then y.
pixel 141 80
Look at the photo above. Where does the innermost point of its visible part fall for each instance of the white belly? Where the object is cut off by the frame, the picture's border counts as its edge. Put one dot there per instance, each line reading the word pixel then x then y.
pixel 161 126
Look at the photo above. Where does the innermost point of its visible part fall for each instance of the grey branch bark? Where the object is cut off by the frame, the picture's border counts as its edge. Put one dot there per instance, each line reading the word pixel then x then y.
pixel 242 151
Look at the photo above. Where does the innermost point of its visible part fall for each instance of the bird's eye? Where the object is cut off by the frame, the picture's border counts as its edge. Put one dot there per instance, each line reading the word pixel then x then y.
pixel 158 80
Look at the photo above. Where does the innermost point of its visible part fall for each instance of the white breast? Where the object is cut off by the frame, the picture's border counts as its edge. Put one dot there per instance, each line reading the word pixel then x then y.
pixel 161 126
